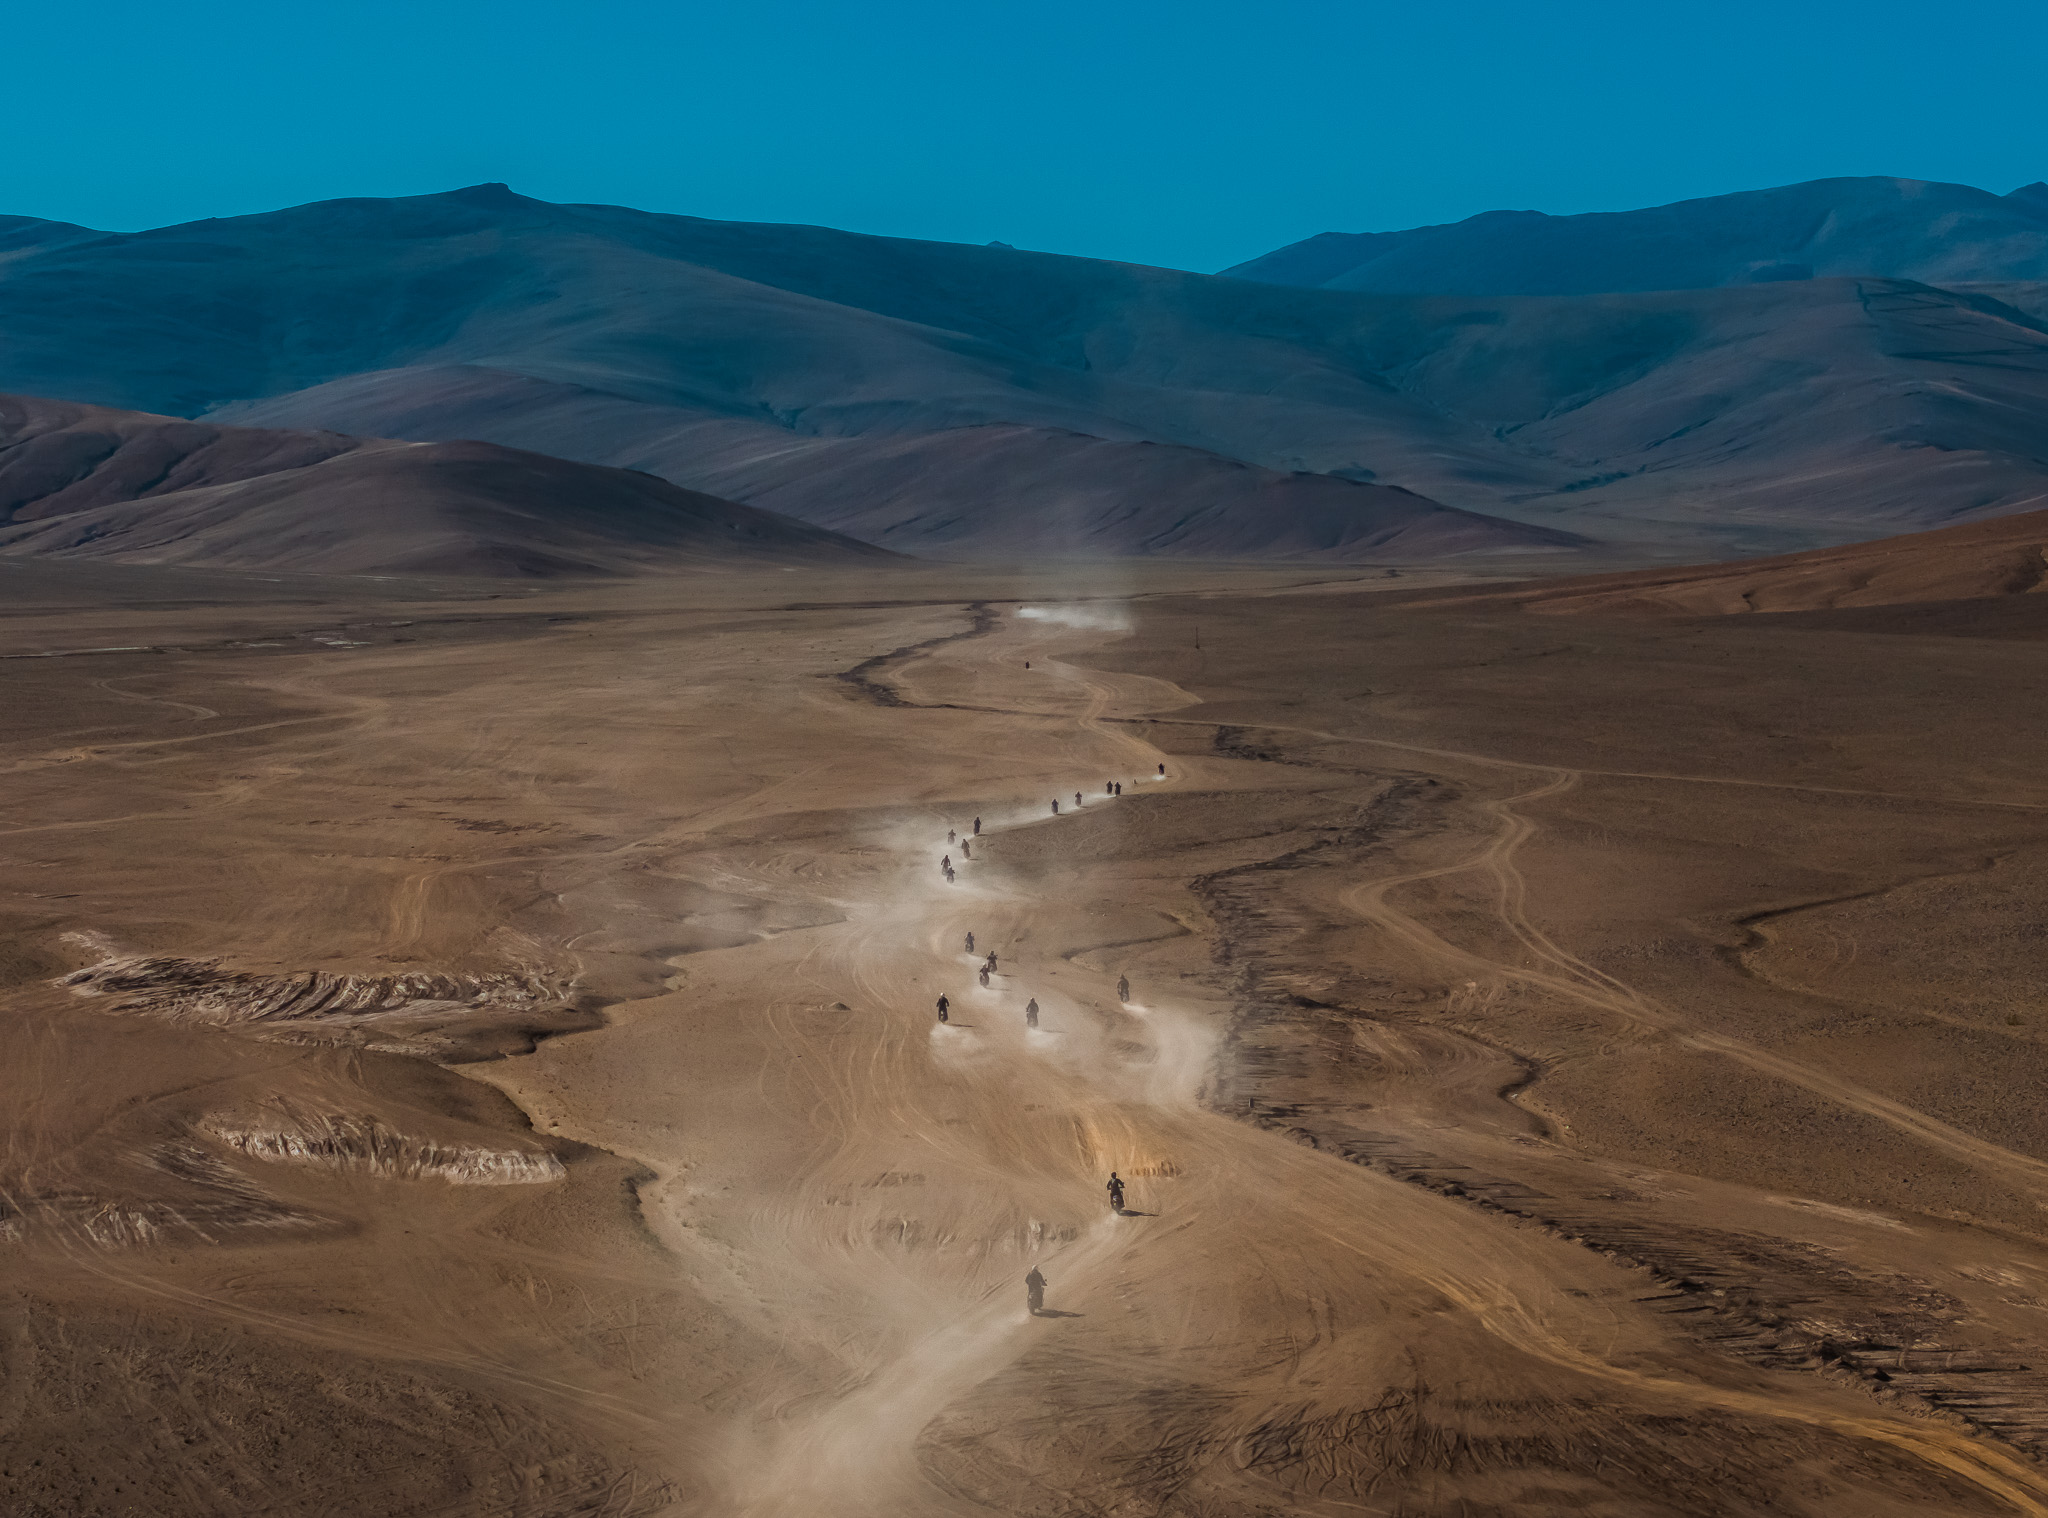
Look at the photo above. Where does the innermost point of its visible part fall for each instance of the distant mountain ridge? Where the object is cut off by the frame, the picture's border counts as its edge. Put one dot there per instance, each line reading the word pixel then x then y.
pixel 966 400
pixel 1888 228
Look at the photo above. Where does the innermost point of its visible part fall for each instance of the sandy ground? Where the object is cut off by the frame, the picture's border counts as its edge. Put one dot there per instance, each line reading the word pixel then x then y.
pixel 467 1053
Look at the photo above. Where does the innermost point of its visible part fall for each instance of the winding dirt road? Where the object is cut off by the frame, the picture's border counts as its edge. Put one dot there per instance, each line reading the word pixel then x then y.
pixel 1257 1283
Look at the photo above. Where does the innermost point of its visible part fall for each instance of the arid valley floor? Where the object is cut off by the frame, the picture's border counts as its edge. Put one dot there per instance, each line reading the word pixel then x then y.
pixel 472 1052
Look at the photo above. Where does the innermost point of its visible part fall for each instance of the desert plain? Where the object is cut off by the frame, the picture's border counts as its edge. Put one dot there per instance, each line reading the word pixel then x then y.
pixel 469 1048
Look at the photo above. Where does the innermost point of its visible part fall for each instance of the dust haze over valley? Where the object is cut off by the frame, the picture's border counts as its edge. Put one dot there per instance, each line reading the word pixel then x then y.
pixel 1503 761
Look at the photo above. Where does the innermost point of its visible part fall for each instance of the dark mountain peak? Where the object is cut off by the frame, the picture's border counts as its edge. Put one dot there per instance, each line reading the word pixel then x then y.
pixel 18 232
pixel 373 218
pixel 1849 227
pixel 2033 196
pixel 36 228
pixel 493 196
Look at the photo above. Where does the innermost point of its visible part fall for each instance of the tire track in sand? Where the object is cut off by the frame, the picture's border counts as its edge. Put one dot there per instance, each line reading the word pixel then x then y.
pixel 1568 976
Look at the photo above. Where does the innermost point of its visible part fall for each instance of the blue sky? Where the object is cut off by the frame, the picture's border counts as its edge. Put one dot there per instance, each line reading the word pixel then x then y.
pixel 1193 134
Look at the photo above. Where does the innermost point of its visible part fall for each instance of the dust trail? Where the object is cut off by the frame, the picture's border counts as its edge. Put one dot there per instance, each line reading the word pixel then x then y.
pixel 1092 617
pixel 938 1325
pixel 858 1454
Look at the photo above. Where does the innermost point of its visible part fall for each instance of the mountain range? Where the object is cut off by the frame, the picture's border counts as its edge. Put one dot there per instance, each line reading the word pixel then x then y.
pixel 984 400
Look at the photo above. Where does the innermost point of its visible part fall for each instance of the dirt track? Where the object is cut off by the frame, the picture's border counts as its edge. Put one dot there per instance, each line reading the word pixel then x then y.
pixel 1482 1158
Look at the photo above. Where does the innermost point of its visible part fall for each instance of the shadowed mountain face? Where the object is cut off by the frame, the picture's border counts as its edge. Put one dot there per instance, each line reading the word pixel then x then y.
pixel 1895 228
pixel 1088 496
pixel 88 482
pixel 741 359
pixel 1032 492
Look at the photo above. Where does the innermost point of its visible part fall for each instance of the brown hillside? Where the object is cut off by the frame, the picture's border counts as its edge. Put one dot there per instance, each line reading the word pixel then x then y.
pixel 2005 556
pixel 92 482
